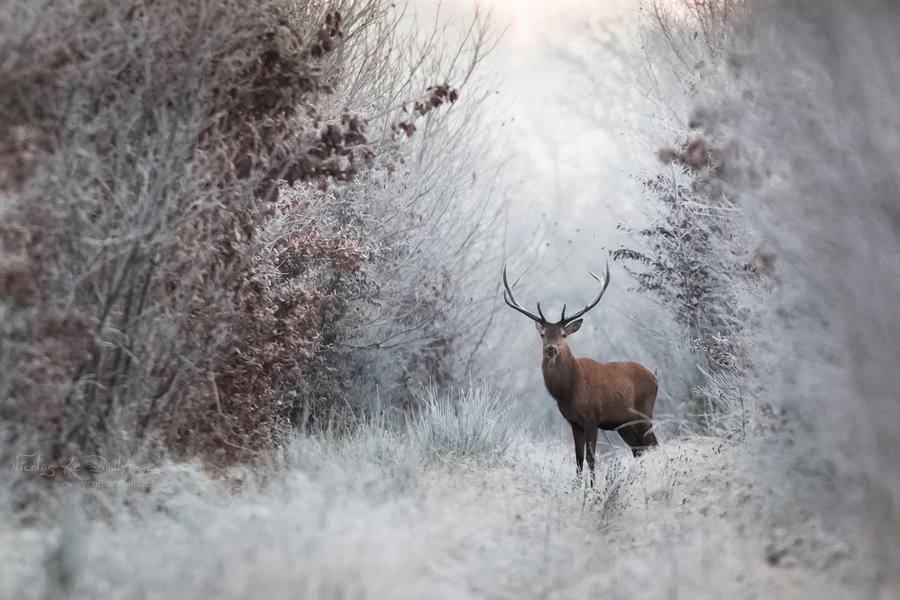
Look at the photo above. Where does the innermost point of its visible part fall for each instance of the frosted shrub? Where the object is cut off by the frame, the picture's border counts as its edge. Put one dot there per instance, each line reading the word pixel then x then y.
pixel 699 254
pixel 198 209
pixel 473 422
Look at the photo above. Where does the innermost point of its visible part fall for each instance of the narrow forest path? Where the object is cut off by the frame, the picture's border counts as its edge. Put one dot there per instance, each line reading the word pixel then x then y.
pixel 369 519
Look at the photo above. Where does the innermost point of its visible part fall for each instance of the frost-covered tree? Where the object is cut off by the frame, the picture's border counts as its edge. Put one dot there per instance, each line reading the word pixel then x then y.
pixel 803 96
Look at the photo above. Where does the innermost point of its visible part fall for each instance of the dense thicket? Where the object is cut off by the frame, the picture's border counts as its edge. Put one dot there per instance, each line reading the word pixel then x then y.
pixel 205 207
pixel 778 228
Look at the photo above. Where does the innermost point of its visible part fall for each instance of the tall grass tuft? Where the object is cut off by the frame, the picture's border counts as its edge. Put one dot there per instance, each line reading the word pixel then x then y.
pixel 474 422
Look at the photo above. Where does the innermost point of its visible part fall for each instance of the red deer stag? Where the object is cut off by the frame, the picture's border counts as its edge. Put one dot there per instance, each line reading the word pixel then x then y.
pixel 592 395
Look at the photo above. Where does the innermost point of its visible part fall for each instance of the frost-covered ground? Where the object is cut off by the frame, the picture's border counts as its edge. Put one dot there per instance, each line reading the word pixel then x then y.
pixel 373 517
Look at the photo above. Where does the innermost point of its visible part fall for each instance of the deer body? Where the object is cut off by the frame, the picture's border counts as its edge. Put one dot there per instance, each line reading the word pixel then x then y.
pixel 590 395
pixel 611 395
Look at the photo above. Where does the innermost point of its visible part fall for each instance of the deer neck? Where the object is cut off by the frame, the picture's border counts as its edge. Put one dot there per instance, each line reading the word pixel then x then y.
pixel 560 375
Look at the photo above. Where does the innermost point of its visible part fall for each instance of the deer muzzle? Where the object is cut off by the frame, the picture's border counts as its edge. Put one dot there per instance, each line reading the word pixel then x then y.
pixel 551 352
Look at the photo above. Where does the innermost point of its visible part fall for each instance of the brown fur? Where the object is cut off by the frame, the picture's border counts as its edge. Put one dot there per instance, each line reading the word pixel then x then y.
pixel 617 396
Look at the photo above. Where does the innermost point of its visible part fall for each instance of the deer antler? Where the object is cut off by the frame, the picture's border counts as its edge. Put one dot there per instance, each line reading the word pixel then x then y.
pixel 511 301
pixel 564 320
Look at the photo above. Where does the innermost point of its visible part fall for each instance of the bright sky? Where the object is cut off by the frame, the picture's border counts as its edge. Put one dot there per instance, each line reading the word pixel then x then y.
pixel 530 19
pixel 566 163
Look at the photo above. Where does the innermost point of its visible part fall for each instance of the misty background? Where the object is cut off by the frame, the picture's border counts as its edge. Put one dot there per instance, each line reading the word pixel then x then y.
pixel 252 337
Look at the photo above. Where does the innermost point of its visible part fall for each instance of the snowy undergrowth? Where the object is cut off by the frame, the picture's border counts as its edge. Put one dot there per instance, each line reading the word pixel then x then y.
pixel 373 515
pixel 477 421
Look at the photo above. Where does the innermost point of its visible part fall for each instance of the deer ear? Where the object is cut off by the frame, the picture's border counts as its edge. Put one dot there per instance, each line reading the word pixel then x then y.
pixel 573 326
pixel 538 326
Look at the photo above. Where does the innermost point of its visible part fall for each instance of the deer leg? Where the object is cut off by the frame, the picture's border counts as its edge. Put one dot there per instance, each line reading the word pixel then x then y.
pixel 578 434
pixel 591 449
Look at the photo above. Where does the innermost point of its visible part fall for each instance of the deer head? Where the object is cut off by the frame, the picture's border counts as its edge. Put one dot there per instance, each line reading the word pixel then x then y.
pixel 553 335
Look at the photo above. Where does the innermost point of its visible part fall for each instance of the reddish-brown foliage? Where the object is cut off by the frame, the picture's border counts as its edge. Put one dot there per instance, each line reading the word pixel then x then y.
pixel 145 308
